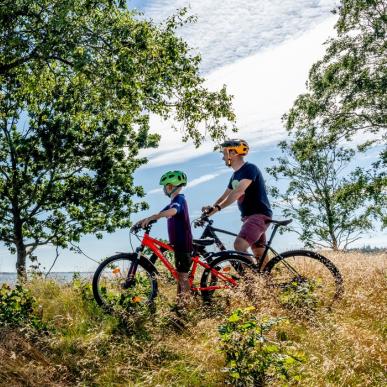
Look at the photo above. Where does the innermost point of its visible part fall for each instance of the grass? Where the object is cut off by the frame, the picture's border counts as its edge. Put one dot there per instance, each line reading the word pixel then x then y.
pixel 84 346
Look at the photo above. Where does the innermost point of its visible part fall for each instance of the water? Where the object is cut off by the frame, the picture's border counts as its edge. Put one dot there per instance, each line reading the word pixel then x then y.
pixel 62 277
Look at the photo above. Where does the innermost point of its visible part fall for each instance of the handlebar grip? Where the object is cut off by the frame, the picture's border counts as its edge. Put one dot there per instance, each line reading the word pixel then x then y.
pixel 135 228
pixel 210 209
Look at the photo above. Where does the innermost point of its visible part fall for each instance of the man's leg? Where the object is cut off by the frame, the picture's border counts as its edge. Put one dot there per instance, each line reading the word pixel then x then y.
pixel 252 235
pixel 241 244
pixel 258 251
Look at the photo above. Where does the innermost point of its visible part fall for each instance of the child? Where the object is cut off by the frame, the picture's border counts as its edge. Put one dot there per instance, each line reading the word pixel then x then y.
pixel 179 229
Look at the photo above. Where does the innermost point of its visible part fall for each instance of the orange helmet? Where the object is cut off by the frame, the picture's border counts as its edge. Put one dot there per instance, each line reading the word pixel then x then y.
pixel 238 145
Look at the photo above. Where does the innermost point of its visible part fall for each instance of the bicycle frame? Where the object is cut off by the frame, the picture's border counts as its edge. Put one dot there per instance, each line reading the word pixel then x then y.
pixel 210 232
pixel 157 246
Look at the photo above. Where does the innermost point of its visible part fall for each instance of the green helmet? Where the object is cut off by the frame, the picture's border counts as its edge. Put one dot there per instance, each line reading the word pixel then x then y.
pixel 176 178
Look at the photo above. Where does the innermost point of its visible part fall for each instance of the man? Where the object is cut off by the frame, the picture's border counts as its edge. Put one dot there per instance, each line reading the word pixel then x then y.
pixel 248 188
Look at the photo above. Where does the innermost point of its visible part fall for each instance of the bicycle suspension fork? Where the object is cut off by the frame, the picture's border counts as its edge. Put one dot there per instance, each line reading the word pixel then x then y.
pixel 130 278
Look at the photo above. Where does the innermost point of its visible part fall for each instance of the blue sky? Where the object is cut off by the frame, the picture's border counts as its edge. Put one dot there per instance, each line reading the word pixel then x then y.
pixel 262 50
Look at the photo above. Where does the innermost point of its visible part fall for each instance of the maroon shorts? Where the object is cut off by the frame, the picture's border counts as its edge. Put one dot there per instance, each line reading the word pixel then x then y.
pixel 254 228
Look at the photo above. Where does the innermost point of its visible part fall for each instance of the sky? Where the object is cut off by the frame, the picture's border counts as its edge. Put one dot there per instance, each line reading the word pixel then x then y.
pixel 262 51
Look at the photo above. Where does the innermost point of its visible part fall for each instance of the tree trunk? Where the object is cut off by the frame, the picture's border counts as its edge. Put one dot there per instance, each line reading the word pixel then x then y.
pixel 330 219
pixel 334 243
pixel 21 252
pixel 21 262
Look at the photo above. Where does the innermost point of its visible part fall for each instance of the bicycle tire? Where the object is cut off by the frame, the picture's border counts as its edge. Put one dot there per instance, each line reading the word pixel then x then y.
pixel 108 287
pixel 324 287
pixel 232 261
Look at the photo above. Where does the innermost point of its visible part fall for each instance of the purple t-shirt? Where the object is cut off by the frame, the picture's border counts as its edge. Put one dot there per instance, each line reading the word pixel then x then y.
pixel 179 226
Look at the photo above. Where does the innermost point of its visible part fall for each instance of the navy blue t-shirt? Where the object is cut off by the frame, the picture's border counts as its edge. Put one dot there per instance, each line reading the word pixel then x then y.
pixel 179 226
pixel 254 200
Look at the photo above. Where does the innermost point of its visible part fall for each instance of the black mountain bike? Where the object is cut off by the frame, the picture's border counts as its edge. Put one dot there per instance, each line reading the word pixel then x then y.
pixel 299 276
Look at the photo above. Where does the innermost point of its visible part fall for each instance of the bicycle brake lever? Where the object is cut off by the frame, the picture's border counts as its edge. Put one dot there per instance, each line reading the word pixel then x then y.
pixel 198 223
pixel 135 228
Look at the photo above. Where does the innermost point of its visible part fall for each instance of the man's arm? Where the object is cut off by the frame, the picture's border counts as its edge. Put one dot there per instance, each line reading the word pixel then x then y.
pixel 220 200
pixel 224 196
pixel 233 195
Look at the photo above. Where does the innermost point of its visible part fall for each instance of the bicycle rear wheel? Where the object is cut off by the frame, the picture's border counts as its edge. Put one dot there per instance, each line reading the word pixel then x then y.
pixel 115 290
pixel 304 278
pixel 225 272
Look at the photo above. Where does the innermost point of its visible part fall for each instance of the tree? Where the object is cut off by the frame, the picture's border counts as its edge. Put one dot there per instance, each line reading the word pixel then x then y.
pixel 78 81
pixel 327 212
pixel 347 90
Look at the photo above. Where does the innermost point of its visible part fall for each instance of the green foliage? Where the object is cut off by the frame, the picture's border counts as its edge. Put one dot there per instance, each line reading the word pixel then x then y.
pixel 300 295
pixel 78 83
pixel 252 357
pixel 88 347
pixel 347 96
pixel 329 204
pixel 18 307
pixel 347 87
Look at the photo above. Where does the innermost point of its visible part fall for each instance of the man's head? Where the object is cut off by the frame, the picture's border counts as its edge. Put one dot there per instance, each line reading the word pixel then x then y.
pixel 234 149
pixel 173 181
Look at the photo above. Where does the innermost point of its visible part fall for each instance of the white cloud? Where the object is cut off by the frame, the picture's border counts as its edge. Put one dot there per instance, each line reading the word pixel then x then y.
pixel 155 191
pixel 205 178
pixel 227 30
pixel 264 87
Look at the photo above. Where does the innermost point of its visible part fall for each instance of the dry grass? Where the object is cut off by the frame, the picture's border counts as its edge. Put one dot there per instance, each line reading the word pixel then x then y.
pixel 345 347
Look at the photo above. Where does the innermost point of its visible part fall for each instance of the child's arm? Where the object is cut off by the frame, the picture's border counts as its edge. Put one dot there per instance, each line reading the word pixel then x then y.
pixel 162 214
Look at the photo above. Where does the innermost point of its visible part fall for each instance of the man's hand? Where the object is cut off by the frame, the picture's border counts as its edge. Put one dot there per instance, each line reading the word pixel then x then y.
pixel 209 210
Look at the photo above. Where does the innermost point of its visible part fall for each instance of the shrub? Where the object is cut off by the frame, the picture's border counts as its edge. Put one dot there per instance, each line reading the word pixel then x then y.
pixel 17 307
pixel 252 358
pixel 300 295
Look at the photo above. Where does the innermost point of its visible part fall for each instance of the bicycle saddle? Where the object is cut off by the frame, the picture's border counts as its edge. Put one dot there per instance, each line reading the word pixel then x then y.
pixel 281 222
pixel 203 242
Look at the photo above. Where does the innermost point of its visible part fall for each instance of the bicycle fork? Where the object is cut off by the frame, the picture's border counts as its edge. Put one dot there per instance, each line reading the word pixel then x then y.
pixel 130 280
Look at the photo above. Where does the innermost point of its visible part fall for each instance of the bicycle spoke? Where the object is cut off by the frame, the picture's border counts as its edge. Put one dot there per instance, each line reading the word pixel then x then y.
pixel 226 273
pixel 305 280
pixel 117 289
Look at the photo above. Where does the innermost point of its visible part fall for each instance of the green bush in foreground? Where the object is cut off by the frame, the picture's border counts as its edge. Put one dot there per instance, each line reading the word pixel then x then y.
pixel 252 357
pixel 17 307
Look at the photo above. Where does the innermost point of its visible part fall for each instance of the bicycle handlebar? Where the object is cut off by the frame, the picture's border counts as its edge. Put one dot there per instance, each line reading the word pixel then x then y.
pixel 137 227
pixel 203 219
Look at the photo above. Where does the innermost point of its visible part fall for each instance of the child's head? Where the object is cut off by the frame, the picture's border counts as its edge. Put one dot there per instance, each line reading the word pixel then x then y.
pixel 173 181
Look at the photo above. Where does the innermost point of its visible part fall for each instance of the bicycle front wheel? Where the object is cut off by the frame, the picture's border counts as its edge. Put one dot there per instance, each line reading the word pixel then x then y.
pixel 122 282
pixel 304 278
pixel 225 272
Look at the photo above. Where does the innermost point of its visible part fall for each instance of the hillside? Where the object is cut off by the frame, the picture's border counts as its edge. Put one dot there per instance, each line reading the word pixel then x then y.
pixel 81 345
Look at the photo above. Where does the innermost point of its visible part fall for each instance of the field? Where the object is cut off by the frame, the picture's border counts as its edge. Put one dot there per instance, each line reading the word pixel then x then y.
pixel 84 346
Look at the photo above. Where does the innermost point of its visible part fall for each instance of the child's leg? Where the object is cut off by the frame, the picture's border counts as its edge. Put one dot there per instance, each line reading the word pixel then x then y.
pixel 183 264
pixel 183 286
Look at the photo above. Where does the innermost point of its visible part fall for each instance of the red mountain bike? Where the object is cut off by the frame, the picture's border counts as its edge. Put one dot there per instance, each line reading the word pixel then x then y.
pixel 127 279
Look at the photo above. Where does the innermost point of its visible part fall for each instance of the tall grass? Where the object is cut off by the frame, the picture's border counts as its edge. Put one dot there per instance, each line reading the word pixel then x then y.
pixel 85 346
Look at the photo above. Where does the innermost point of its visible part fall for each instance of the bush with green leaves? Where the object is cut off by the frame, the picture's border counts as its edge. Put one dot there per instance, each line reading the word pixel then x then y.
pixel 253 356
pixel 18 307
pixel 300 295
